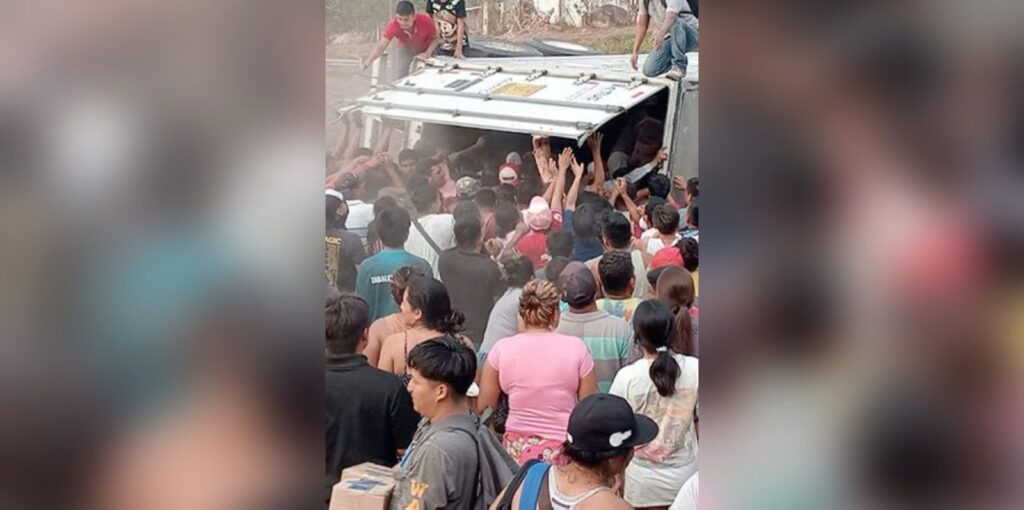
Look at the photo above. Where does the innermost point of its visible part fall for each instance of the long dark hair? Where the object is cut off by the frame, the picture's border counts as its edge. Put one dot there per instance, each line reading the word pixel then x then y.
pixel 676 290
pixel 431 297
pixel 654 325
pixel 331 213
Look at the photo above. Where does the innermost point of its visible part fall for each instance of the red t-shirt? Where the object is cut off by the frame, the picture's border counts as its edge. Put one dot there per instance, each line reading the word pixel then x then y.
pixel 534 246
pixel 423 33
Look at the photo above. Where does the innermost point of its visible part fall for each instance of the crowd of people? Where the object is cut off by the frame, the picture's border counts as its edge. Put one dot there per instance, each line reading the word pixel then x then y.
pixel 513 322
pixel 514 316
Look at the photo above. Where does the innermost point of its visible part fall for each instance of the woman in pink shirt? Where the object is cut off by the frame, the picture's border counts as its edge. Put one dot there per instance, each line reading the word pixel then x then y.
pixel 543 373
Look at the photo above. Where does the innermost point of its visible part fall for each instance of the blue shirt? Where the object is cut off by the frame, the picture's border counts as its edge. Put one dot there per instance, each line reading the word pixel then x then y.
pixel 582 250
pixel 373 280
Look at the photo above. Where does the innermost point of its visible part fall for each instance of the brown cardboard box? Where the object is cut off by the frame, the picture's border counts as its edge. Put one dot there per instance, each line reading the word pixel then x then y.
pixel 366 486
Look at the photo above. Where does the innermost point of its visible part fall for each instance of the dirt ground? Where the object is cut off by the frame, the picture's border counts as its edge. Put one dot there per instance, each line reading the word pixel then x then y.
pixel 345 83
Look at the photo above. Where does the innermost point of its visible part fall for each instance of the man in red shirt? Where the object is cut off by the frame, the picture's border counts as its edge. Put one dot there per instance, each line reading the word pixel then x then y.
pixel 415 33
pixel 541 219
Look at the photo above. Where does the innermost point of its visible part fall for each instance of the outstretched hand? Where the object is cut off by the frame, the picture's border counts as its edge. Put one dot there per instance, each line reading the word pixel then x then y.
pixel 565 159
pixel 546 169
pixel 662 155
pixel 577 168
pixel 679 181
pixel 594 142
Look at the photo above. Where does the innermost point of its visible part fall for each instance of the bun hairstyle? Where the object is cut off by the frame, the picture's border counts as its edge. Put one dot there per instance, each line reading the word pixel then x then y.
pixel 538 305
pixel 430 297
pixel 675 290
pixel 654 325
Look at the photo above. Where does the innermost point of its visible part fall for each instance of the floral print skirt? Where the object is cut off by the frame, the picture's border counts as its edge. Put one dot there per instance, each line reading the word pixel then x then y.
pixel 525 447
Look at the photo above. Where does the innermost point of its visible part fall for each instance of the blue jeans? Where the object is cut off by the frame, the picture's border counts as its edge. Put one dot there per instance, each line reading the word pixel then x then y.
pixel 682 38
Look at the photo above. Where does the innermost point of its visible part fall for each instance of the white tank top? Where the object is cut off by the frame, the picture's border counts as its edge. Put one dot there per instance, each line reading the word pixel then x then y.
pixel 655 243
pixel 561 501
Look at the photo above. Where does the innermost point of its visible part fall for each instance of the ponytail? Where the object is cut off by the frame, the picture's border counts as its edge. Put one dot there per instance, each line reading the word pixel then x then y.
pixel 683 342
pixel 655 328
pixel 664 372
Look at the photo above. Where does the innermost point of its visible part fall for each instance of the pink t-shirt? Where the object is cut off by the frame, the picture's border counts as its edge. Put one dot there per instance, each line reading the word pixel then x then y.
pixel 541 374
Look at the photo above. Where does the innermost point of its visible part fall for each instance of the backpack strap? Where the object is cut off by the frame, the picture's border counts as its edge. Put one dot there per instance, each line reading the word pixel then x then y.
pixel 544 497
pixel 513 486
pixel 535 478
pixel 426 236
pixel 479 488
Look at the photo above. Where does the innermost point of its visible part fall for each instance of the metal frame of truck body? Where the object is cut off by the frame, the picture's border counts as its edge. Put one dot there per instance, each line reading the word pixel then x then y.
pixel 481 102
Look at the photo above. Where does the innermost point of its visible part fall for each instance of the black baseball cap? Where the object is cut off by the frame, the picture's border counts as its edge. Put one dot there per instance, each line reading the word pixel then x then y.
pixel 603 423
pixel 577 284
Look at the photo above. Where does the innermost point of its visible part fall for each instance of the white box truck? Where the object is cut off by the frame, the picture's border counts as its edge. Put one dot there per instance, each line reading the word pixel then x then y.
pixel 560 97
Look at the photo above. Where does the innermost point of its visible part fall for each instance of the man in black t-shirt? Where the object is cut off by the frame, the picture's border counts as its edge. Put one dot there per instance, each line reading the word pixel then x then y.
pixel 344 249
pixel 473 279
pixel 369 413
pixel 450 18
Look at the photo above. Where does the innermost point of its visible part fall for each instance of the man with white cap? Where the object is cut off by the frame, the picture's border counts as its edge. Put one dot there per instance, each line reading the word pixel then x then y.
pixel 508 174
pixel 534 244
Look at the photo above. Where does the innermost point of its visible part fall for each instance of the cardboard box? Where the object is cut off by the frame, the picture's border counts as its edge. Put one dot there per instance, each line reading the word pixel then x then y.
pixel 366 486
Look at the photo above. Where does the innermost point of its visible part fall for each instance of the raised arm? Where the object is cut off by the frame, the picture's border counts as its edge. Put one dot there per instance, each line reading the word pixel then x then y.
pixel 385 138
pixel 396 180
pixel 634 211
pixel 558 199
pixel 350 142
pixel 547 176
pixel 558 191
pixel 480 143
pixel 574 190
